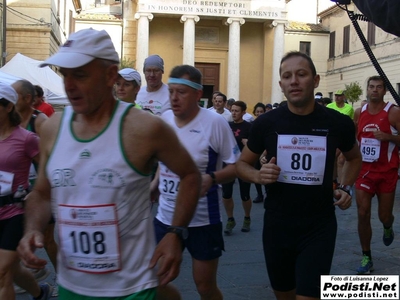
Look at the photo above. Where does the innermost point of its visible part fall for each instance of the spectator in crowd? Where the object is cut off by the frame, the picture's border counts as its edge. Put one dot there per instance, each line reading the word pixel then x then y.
pixel 241 131
pixel 219 107
pixel 318 95
pixel 326 101
pixel 229 103
pixel 341 106
pixel 128 85
pixel 155 95
pixel 40 104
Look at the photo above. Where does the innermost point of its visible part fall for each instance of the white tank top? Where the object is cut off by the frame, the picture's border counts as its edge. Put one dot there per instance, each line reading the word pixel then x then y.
pixel 103 212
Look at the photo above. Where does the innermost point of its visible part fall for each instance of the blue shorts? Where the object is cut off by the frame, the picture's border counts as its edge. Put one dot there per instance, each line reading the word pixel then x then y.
pixel 11 231
pixel 203 243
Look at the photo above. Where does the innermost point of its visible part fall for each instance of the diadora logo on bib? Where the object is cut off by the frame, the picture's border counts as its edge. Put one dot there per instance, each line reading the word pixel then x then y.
pixel 107 179
pixel 305 178
pixel 62 178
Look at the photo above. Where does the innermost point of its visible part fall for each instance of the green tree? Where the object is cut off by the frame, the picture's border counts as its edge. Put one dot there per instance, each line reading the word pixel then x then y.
pixel 126 62
pixel 353 91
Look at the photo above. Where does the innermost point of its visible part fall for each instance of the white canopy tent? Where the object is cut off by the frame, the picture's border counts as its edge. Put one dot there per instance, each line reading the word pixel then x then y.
pixel 7 78
pixel 27 68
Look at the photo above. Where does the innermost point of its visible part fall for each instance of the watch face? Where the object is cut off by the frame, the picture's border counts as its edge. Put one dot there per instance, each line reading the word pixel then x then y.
pixel 182 232
pixel 185 233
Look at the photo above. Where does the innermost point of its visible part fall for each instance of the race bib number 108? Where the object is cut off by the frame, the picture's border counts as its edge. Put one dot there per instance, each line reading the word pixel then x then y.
pixel 89 238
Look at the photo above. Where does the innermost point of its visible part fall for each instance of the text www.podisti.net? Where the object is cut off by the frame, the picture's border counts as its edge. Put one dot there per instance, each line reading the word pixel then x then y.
pixel 360 287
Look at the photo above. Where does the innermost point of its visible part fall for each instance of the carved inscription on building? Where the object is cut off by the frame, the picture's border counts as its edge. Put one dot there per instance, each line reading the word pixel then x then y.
pixel 256 9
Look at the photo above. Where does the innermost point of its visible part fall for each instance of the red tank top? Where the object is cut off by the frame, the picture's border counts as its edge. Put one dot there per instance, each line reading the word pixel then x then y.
pixel 378 156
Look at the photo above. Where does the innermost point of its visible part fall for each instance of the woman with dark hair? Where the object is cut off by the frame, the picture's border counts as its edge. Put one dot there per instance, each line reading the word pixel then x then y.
pixel 18 147
pixel 259 109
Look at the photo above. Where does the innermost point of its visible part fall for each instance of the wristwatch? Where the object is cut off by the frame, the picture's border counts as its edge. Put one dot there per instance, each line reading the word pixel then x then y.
pixel 182 232
pixel 345 188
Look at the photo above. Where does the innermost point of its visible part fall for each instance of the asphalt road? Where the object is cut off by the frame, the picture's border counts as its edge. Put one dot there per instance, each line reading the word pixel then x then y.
pixel 242 273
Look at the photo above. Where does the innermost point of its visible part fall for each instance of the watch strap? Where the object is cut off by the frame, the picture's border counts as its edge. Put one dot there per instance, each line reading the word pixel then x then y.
pixel 214 180
pixel 345 188
pixel 182 232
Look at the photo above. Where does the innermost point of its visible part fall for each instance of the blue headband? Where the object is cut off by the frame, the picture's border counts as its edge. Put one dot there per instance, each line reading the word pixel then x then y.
pixel 192 84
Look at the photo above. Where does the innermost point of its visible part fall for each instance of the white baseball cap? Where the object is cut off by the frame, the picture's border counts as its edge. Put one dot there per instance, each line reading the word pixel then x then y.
pixel 82 47
pixel 130 74
pixel 7 92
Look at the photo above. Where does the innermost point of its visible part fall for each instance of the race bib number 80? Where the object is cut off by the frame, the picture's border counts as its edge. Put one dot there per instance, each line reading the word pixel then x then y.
pixel 301 159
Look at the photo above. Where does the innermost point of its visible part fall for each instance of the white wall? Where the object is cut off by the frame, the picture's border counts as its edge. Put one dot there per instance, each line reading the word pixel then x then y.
pixel 306 10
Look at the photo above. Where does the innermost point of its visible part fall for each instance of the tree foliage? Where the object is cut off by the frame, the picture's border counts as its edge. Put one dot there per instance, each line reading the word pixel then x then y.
pixel 126 62
pixel 353 91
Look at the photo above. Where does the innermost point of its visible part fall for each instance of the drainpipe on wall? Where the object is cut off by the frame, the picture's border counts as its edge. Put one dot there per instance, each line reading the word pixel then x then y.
pixel 122 29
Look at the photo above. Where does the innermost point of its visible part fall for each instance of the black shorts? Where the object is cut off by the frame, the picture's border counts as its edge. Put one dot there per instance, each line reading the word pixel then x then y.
pixel 203 243
pixel 298 253
pixel 11 232
pixel 244 187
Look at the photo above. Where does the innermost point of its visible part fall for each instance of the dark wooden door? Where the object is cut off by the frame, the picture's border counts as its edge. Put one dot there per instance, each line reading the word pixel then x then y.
pixel 210 79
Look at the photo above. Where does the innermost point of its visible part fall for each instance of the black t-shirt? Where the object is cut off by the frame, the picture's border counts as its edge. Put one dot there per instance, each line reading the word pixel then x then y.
pixel 299 200
pixel 240 131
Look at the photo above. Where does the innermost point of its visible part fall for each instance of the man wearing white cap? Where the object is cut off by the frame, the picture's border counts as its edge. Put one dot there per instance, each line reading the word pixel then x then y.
pixel 128 85
pixel 98 179
pixel 155 95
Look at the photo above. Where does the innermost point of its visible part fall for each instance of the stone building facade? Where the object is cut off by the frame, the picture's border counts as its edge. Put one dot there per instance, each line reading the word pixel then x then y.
pixel 347 60
pixel 237 44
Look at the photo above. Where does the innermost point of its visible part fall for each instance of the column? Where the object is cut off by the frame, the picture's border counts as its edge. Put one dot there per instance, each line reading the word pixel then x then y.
pixel 189 38
pixel 142 40
pixel 234 57
pixel 279 48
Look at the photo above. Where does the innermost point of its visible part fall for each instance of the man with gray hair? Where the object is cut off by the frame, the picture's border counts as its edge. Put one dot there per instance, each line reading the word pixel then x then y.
pixel 155 95
pixel 100 193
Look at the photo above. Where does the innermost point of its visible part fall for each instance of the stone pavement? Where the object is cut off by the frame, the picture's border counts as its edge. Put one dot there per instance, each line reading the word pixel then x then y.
pixel 242 273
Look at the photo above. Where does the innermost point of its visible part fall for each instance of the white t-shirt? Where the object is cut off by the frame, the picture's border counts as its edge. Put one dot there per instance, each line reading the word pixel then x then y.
pixel 157 101
pixel 226 114
pixel 209 140
pixel 248 117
